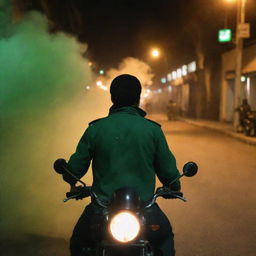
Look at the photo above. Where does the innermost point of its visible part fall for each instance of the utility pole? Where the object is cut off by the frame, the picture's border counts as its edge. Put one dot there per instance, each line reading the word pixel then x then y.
pixel 239 54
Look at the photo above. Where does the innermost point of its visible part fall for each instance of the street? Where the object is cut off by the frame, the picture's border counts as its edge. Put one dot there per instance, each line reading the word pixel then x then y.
pixel 219 217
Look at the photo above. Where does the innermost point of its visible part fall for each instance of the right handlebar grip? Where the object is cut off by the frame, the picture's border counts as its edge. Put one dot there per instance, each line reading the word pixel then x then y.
pixel 178 193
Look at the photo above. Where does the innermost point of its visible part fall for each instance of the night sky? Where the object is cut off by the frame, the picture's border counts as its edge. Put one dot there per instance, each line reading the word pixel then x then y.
pixel 114 30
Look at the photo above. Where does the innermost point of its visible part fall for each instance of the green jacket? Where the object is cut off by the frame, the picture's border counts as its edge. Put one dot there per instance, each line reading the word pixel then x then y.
pixel 126 150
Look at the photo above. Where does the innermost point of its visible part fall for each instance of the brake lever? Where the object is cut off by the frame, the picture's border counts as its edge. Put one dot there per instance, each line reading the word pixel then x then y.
pixel 181 198
pixel 68 198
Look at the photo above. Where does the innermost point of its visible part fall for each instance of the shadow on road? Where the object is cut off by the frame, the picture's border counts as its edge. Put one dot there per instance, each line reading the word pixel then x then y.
pixel 31 244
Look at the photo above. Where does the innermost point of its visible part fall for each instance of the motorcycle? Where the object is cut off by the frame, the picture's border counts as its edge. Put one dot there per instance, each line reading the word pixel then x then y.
pixel 122 226
pixel 171 111
pixel 250 124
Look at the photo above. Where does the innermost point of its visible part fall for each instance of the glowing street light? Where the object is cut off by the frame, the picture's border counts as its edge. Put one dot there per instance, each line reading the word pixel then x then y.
pixel 101 72
pixel 162 56
pixel 155 53
pixel 163 80
pixel 99 83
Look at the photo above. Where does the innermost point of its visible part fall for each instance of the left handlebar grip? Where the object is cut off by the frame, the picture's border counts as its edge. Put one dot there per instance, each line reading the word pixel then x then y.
pixel 69 194
pixel 60 165
pixel 79 193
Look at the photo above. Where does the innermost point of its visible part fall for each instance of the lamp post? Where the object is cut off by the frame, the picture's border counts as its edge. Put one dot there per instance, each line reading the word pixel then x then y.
pixel 156 53
pixel 239 51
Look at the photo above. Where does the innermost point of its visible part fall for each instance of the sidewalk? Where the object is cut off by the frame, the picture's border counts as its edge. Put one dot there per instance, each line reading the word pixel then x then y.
pixel 221 127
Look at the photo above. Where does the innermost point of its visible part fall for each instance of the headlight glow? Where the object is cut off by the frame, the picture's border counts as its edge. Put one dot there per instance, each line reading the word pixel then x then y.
pixel 124 226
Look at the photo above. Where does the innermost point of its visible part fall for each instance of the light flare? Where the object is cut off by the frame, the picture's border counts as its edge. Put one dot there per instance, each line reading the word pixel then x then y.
pixel 155 53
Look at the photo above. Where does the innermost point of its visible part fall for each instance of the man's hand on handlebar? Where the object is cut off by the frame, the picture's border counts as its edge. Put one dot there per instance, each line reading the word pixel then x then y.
pixel 167 193
pixel 78 192
pixel 173 195
pixel 75 190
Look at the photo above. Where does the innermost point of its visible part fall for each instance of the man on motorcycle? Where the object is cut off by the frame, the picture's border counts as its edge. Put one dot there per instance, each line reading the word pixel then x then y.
pixel 171 110
pixel 243 111
pixel 126 150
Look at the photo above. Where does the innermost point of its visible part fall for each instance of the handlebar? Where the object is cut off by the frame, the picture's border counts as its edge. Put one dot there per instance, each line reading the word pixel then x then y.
pixel 166 193
pixel 80 193
pixel 84 191
pixel 60 166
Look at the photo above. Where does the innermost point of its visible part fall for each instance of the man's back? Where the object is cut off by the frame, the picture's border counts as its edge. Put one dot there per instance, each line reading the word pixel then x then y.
pixel 125 149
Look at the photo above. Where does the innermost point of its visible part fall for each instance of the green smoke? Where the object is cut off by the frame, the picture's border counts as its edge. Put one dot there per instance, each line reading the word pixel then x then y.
pixel 6 26
pixel 44 109
pixel 35 64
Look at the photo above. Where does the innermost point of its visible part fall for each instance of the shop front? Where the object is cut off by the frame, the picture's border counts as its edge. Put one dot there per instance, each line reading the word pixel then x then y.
pixel 248 82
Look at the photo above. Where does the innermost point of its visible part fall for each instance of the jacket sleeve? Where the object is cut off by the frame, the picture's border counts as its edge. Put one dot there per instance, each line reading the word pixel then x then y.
pixel 165 162
pixel 79 162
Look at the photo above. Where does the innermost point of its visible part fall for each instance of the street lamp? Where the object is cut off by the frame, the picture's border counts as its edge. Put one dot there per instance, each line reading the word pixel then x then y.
pixel 101 72
pixel 239 51
pixel 155 53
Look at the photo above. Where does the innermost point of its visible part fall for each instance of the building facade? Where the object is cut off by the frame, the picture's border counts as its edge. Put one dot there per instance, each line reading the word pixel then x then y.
pixel 248 81
pixel 196 89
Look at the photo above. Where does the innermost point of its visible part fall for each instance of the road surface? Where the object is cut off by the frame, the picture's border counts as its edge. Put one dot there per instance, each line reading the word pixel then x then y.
pixel 219 217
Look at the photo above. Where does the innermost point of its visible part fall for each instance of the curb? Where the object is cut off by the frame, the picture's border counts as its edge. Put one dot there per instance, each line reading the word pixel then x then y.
pixel 234 135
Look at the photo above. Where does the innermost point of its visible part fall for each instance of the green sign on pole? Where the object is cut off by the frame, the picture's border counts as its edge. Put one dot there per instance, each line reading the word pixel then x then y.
pixel 225 35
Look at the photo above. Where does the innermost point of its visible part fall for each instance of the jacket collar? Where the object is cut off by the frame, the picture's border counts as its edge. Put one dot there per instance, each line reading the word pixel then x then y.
pixel 133 110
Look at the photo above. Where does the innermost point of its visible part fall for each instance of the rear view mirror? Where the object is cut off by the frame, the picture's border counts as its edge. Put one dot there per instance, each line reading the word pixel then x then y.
pixel 190 169
pixel 60 165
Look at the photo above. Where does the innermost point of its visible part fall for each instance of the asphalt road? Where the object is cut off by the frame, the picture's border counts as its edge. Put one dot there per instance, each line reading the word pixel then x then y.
pixel 219 217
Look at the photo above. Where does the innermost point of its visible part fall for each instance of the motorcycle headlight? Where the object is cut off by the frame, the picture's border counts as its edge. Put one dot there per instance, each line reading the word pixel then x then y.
pixel 124 226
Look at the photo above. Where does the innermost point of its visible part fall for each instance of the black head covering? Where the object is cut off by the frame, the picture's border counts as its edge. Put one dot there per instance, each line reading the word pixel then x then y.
pixel 125 90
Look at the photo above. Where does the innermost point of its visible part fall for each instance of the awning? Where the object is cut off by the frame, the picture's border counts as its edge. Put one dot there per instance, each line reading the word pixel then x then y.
pixel 250 67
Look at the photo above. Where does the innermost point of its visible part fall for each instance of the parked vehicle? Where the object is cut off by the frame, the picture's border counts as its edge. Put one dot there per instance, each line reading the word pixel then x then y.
pixel 244 111
pixel 171 110
pixel 122 225
pixel 250 124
